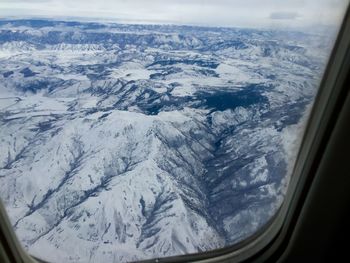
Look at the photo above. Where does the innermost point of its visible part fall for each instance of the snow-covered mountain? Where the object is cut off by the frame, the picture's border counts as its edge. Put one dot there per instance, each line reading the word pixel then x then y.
pixel 128 142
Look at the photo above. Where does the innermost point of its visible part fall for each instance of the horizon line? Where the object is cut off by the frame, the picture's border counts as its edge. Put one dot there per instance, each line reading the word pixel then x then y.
pixel 117 21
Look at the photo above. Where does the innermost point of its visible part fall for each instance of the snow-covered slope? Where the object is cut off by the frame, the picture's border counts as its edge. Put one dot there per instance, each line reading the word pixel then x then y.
pixel 127 142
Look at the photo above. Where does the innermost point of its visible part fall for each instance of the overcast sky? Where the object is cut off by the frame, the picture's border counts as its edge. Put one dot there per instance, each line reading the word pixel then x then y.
pixel 241 13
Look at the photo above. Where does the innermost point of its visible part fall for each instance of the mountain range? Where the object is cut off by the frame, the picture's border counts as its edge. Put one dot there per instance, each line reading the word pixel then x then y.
pixel 128 142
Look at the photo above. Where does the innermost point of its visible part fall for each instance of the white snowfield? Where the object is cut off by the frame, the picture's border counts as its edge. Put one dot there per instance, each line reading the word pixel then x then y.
pixel 134 142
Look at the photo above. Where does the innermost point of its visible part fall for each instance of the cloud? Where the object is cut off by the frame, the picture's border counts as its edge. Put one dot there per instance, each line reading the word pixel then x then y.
pixel 284 15
pixel 236 13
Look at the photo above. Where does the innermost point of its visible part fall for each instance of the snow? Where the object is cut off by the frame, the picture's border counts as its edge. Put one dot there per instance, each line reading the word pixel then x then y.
pixel 183 90
pixel 131 71
pixel 108 155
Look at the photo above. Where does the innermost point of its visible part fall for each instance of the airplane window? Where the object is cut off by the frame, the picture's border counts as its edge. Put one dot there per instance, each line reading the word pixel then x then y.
pixel 133 130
